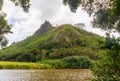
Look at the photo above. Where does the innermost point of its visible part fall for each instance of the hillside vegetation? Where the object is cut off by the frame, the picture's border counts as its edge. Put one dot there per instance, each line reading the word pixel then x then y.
pixel 57 43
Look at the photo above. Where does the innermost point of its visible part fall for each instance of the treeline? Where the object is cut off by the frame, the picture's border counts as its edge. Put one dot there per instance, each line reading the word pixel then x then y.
pixel 42 54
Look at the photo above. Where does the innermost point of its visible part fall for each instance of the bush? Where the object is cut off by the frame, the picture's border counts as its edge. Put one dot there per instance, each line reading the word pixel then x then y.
pixel 64 52
pixel 108 67
pixel 25 57
pixel 57 64
pixel 78 62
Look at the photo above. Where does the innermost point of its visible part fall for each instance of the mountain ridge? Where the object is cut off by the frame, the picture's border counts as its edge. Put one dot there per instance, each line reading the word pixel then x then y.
pixel 56 43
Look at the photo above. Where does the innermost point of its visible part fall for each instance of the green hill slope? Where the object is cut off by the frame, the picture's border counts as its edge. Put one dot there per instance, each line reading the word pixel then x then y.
pixel 56 43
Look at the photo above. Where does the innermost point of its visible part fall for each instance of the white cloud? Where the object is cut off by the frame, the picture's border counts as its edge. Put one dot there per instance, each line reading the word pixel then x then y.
pixel 48 8
pixel 25 24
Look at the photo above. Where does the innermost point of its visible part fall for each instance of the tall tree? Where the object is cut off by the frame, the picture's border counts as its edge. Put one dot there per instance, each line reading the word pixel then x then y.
pixel 4 26
pixel 106 15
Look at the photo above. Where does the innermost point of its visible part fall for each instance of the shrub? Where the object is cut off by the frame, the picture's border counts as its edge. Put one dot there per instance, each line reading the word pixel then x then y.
pixel 57 64
pixel 108 67
pixel 78 62
pixel 25 57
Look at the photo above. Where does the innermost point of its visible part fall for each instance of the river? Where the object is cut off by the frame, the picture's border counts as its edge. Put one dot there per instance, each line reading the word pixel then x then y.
pixel 46 75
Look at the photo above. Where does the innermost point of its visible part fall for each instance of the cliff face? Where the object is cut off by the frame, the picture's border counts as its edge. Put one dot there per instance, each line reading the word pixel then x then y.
pixel 43 28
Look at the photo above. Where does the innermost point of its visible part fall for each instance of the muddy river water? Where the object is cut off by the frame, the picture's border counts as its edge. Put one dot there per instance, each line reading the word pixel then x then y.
pixel 46 75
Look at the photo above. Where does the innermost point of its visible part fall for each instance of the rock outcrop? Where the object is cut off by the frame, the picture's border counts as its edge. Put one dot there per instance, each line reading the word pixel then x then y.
pixel 43 28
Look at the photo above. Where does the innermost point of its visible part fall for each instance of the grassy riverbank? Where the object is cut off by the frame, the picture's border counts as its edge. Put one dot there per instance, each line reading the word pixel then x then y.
pixel 22 65
pixel 71 62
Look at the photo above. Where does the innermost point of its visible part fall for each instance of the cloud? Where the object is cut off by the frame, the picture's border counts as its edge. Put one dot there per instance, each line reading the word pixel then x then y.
pixel 66 16
pixel 25 24
pixel 48 8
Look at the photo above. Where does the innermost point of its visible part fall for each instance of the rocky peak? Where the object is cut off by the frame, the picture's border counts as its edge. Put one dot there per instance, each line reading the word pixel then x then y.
pixel 43 28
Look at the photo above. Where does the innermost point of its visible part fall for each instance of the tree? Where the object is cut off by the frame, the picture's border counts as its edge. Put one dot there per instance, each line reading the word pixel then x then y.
pixel 25 4
pixel 4 26
pixel 108 68
pixel 3 41
pixel 106 15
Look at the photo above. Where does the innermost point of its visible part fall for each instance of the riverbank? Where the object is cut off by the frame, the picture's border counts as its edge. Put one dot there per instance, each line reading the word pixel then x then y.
pixel 72 62
pixel 23 65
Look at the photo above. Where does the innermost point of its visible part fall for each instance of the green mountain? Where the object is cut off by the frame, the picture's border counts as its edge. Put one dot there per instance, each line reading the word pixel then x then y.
pixel 54 43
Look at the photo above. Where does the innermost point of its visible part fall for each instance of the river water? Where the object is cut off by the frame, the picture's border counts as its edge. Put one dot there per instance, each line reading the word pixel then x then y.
pixel 46 75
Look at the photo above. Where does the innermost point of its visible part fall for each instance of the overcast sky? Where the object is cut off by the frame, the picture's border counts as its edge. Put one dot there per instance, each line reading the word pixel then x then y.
pixel 25 24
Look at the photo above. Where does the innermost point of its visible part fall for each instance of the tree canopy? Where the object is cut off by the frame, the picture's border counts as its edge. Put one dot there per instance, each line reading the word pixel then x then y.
pixel 106 13
pixel 4 26
pixel 25 4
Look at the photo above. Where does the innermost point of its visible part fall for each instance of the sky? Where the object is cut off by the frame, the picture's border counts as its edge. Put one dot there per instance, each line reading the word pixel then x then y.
pixel 25 24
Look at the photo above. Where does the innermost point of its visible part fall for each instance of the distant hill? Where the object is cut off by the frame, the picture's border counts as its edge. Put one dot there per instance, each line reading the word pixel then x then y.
pixel 54 43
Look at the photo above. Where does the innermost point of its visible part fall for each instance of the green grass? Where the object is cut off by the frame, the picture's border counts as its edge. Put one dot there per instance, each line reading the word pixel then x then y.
pixel 22 65
pixel 71 62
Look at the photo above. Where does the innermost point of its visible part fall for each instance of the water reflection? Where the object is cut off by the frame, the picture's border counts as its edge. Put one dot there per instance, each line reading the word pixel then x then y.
pixel 45 75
